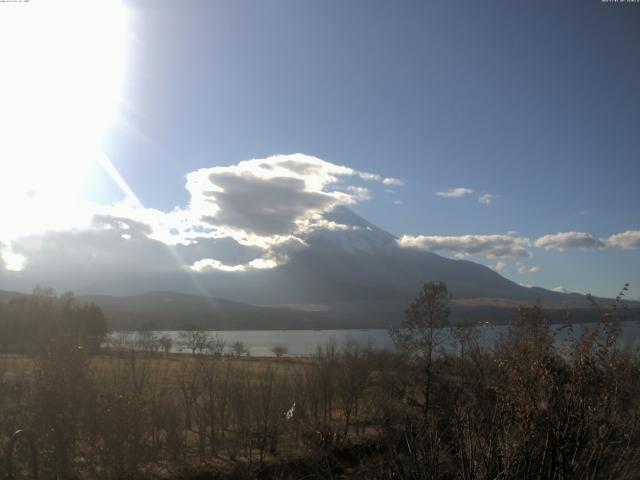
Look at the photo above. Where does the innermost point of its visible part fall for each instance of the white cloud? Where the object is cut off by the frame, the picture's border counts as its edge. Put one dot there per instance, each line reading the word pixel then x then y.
pixel 500 266
pixel 359 194
pixel 251 215
pixel 88 255
pixel 561 289
pixel 629 240
pixel 487 198
pixel 398 202
pixel 455 192
pixel 374 177
pixel 392 181
pixel 274 196
pixel 212 264
pixel 563 241
pixel 524 269
pixel 266 197
pixel 490 246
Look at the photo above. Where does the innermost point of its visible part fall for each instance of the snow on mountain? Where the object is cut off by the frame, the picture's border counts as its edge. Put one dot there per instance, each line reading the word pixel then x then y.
pixel 358 236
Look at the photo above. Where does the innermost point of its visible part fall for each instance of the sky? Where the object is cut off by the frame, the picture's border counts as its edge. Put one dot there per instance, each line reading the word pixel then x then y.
pixel 502 132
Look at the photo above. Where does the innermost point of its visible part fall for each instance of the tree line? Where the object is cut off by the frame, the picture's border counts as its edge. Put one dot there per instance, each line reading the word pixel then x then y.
pixel 29 322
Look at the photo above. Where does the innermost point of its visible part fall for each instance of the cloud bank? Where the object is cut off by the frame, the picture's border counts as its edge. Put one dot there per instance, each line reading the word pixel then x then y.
pixel 629 240
pixel 513 246
pixel 563 241
pixel 241 217
pixel 490 246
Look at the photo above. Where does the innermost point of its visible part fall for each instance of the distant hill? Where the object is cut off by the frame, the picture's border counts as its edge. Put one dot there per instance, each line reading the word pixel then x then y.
pixel 177 311
pixel 5 296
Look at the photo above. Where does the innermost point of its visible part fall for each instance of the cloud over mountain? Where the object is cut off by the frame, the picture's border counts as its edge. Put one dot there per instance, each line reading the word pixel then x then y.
pixel 561 289
pixel 273 196
pixel 251 215
pixel 490 246
pixel 282 201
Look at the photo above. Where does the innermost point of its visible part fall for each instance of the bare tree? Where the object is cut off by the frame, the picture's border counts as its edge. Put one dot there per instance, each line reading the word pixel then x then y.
pixel 466 335
pixel 279 350
pixel 420 334
pixel 147 341
pixel 352 378
pixel 166 342
pixel 326 366
pixel 195 340
pixel 238 347
pixel 189 380
pixel 217 345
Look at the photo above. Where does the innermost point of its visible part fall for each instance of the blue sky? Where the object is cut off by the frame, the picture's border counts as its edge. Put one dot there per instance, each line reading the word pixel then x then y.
pixel 535 103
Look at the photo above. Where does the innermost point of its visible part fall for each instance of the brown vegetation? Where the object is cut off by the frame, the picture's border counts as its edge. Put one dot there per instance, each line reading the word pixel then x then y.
pixel 540 404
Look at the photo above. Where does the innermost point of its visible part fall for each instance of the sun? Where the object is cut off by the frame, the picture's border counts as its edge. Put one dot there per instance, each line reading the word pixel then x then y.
pixel 63 68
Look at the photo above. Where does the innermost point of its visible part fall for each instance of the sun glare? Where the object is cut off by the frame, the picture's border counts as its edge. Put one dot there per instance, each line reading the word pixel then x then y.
pixel 62 74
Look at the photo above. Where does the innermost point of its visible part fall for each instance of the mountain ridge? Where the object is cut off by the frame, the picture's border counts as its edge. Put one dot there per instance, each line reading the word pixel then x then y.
pixel 353 275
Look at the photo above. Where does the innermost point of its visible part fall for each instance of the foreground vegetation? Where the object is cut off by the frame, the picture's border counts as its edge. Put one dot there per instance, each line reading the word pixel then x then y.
pixel 534 405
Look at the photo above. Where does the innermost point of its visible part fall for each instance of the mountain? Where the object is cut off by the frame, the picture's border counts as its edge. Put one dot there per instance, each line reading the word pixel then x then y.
pixel 349 277
pixel 363 263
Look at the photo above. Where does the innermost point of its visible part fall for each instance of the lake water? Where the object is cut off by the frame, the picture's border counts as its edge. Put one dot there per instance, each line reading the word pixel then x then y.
pixel 305 342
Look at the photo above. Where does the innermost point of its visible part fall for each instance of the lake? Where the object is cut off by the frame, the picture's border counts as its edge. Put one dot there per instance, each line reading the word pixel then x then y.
pixel 305 342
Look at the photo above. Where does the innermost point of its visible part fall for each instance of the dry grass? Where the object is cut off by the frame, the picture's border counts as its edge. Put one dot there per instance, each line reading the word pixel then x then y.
pixel 526 409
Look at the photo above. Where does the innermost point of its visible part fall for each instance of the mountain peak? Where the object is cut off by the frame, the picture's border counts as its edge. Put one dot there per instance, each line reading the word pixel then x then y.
pixel 344 216
pixel 353 234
